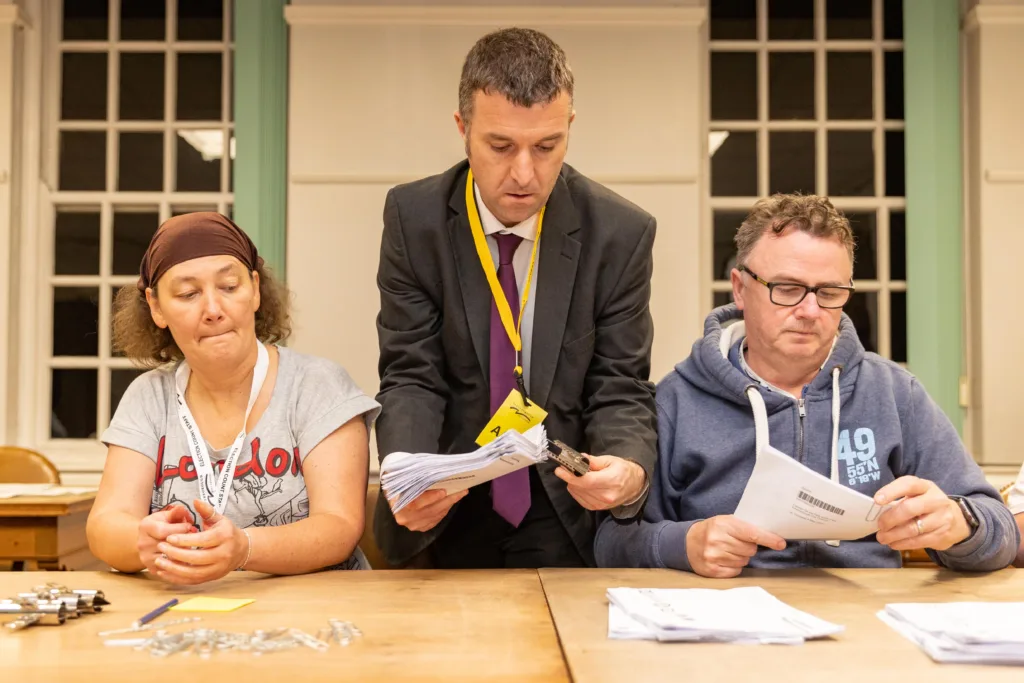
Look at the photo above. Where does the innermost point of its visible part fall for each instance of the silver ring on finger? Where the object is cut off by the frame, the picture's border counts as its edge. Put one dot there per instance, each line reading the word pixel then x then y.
pixel 920 527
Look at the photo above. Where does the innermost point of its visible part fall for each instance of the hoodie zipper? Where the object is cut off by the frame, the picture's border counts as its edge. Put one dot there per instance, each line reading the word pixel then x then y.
pixel 802 411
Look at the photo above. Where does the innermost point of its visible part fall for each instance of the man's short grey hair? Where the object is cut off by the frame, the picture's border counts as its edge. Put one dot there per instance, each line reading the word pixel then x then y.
pixel 809 213
pixel 524 65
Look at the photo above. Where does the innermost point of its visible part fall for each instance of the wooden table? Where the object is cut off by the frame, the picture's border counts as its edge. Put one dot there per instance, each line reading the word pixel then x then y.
pixel 47 531
pixel 867 651
pixel 417 625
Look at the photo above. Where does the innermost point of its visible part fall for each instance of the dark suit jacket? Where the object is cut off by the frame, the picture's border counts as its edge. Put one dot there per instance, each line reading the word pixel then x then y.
pixel 592 334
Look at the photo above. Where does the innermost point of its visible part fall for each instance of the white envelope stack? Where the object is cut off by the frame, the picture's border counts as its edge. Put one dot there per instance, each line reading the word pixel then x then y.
pixel 737 615
pixel 962 632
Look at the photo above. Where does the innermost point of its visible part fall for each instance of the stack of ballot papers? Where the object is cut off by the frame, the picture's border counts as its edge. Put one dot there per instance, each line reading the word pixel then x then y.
pixel 787 498
pixel 962 632
pixel 737 615
pixel 405 476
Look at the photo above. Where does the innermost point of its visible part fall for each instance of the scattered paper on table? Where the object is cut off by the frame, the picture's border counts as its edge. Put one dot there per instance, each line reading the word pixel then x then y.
pixel 205 604
pixel 16 490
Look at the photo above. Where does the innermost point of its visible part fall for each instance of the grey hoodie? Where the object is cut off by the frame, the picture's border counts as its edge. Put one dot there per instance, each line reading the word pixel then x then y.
pixel 863 421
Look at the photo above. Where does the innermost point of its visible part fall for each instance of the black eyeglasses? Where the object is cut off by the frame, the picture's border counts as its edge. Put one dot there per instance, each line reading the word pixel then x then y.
pixel 791 293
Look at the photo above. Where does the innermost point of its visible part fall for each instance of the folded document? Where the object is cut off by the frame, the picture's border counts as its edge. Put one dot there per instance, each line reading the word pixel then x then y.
pixel 405 476
pixel 788 498
pixel 962 632
pixel 737 615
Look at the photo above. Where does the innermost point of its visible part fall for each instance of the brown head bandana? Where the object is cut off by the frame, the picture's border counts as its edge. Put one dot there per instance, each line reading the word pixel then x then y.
pixel 192 236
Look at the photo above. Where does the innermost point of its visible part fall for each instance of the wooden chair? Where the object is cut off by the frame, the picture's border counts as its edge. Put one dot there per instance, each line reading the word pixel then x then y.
pixel 368 544
pixel 1005 492
pixel 22 466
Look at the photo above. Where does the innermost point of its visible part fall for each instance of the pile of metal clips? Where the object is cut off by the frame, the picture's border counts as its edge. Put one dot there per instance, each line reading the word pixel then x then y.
pixel 52 604
pixel 203 642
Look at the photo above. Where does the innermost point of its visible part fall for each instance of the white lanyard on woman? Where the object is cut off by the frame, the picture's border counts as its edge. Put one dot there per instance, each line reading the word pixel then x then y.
pixel 212 490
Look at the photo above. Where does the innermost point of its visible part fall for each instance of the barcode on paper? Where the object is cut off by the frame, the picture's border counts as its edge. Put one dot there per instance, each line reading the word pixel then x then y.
pixel 821 504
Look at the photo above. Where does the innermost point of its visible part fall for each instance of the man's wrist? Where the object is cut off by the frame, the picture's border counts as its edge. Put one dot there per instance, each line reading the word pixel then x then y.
pixel 640 482
pixel 968 522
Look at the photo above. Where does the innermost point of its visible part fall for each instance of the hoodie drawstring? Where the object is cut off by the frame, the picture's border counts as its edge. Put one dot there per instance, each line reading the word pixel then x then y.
pixel 760 418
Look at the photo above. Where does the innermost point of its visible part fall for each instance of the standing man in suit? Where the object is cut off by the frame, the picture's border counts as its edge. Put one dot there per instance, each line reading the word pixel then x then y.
pixel 577 259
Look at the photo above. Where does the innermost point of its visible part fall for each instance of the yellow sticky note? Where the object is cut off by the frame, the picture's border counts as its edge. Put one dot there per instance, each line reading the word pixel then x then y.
pixel 513 414
pixel 204 604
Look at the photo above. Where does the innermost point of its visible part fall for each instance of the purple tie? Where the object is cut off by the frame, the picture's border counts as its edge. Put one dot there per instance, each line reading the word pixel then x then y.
pixel 510 494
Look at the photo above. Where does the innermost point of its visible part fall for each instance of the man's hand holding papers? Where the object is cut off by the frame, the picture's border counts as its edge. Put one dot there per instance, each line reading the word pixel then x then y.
pixel 924 518
pixel 422 487
pixel 720 547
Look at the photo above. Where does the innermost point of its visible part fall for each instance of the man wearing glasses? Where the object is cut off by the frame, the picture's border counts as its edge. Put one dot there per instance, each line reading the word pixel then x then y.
pixel 786 364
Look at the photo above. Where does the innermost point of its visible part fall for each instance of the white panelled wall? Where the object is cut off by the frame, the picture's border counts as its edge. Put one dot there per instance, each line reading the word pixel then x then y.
pixel 993 38
pixel 372 91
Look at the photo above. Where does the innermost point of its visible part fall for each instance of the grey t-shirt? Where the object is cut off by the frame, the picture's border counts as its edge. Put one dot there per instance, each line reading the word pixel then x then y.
pixel 312 398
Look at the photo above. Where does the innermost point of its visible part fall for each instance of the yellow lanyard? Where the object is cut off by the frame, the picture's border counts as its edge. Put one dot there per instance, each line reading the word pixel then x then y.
pixel 487 262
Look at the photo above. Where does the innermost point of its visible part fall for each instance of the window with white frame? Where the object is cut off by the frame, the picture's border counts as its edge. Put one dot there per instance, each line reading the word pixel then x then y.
pixel 140 130
pixel 807 96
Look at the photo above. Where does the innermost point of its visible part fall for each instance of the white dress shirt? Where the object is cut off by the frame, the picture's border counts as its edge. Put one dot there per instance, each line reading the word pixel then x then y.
pixel 520 264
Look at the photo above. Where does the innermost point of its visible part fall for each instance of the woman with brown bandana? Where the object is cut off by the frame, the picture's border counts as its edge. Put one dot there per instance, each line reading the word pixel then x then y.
pixel 232 452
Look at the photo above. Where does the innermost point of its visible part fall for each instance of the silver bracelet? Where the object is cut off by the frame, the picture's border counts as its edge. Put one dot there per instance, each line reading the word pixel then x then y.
pixel 248 554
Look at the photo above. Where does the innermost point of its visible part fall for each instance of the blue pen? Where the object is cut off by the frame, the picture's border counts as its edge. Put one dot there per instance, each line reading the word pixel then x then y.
pixel 155 613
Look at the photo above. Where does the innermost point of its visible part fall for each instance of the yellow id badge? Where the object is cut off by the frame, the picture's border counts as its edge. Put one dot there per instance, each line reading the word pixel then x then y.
pixel 513 414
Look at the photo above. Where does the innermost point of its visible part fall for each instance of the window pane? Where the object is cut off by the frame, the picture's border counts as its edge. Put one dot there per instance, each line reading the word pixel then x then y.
pixel 863 311
pixel 724 251
pixel 199 86
pixel 132 232
pixel 141 162
pixel 898 324
pixel 848 20
pixel 791 85
pixel 866 254
pixel 119 381
pixel 83 95
pixel 143 19
pixel 722 298
pixel 849 86
pixel 76 311
pixel 83 160
pixel 182 210
pixel 734 20
pixel 733 86
pixel 73 404
pixel 142 86
pixel 894 86
pixel 897 245
pixel 85 20
pixel 791 162
pixel 199 154
pixel 893 20
pixel 791 19
pixel 200 20
pixel 76 244
pixel 851 163
pixel 895 167
pixel 734 166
